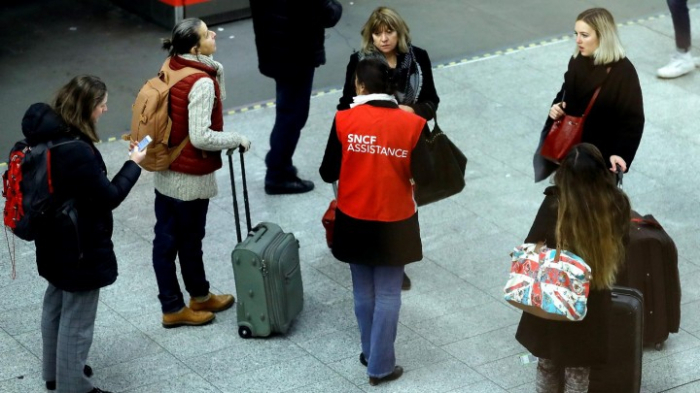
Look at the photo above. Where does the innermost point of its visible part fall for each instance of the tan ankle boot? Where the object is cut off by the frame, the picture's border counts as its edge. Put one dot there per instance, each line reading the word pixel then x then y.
pixel 187 316
pixel 215 303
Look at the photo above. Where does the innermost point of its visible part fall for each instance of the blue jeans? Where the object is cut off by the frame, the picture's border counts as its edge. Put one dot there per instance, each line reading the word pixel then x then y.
pixel 377 293
pixel 179 232
pixel 681 22
pixel 292 111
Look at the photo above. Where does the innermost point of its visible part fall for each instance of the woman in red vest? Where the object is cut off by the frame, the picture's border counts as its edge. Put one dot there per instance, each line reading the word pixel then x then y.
pixel 376 152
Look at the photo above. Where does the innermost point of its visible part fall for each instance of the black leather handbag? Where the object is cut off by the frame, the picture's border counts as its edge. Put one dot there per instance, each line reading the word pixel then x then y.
pixel 450 166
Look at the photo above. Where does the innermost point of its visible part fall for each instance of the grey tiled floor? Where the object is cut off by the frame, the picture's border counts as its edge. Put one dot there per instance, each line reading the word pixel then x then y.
pixel 455 333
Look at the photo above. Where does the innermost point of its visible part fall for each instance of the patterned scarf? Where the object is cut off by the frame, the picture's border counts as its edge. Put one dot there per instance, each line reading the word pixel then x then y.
pixel 407 76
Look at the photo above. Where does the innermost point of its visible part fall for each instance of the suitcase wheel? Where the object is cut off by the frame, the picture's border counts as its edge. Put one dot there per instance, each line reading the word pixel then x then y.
pixel 659 346
pixel 244 332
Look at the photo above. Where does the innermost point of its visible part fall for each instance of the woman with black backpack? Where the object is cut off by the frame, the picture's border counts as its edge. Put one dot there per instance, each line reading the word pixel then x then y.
pixel 74 250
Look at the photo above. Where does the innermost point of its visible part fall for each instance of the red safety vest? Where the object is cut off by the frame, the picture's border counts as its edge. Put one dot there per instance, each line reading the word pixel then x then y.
pixel 375 174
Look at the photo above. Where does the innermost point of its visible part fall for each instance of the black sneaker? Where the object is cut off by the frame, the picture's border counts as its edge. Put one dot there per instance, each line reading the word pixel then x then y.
pixel 294 185
pixel 87 370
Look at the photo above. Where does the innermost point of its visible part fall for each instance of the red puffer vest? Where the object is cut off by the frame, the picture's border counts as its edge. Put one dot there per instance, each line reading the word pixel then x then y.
pixel 192 160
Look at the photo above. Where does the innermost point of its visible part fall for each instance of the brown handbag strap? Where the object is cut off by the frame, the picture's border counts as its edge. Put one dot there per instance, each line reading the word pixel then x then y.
pixel 595 95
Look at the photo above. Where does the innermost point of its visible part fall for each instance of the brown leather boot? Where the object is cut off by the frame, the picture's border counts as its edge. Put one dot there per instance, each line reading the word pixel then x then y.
pixel 186 316
pixel 214 303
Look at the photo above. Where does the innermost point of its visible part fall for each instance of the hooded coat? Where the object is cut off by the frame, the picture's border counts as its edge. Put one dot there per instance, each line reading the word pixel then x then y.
pixel 77 255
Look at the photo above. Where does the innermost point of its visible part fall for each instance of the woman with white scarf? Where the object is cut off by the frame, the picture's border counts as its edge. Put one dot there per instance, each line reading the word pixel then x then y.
pixel 184 189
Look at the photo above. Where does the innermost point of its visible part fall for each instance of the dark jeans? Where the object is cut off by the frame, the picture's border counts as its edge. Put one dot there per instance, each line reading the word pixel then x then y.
pixel 179 232
pixel 681 22
pixel 292 110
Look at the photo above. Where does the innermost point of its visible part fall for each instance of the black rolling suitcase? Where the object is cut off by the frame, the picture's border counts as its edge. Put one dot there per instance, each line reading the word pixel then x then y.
pixel 623 372
pixel 267 273
pixel 651 266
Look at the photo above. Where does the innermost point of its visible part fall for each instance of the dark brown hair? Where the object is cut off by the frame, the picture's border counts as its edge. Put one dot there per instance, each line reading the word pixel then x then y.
pixel 76 101
pixel 184 36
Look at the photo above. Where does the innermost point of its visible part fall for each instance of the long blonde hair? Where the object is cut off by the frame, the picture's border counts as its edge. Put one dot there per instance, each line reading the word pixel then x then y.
pixel 76 101
pixel 593 214
pixel 610 47
pixel 384 18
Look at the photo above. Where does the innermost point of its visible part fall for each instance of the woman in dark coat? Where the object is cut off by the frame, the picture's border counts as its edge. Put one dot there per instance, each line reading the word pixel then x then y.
pixel 376 152
pixel 385 36
pixel 74 250
pixel 616 120
pixel 587 214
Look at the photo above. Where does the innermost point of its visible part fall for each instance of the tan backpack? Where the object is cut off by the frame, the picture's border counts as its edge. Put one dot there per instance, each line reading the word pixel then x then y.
pixel 150 117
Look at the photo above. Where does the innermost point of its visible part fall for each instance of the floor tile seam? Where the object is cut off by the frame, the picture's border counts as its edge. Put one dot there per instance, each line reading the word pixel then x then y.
pixel 664 358
pixel 22 346
pixel 679 386
pixel 486 364
pixel 475 335
pixel 332 370
pixel 686 195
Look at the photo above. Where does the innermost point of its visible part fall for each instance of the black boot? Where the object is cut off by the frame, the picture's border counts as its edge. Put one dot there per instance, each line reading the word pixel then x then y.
pixel 406 282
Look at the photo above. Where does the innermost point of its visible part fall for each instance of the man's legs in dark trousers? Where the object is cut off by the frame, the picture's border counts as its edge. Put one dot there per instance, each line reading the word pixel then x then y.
pixel 179 232
pixel 292 111
pixel 682 61
pixel 681 23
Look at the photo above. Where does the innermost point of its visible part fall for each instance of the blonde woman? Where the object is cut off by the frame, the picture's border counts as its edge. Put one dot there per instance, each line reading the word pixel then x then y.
pixel 386 36
pixel 587 214
pixel 616 120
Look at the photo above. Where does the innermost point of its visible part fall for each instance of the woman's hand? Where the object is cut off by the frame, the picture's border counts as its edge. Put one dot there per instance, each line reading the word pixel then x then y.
pixel 557 110
pixel 615 161
pixel 134 154
pixel 407 108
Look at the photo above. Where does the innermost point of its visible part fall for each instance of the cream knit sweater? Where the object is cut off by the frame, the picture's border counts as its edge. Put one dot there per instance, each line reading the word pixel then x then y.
pixel 188 187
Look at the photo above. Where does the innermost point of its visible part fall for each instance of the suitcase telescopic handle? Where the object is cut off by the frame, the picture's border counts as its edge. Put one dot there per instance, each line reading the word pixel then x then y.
pixel 229 153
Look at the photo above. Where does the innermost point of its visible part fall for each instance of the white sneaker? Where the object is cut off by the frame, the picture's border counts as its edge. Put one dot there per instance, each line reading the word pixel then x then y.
pixel 680 64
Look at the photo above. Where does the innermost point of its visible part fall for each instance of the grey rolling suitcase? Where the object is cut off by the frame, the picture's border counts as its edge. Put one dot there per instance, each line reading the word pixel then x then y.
pixel 266 271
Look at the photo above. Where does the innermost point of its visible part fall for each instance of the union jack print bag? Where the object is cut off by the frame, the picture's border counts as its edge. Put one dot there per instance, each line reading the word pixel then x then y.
pixel 548 285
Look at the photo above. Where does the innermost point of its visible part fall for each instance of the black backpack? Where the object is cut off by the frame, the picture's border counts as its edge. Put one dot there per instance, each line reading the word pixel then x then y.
pixel 27 187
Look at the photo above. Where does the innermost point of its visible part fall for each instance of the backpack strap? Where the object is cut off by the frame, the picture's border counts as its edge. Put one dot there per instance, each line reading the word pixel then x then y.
pixel 171 78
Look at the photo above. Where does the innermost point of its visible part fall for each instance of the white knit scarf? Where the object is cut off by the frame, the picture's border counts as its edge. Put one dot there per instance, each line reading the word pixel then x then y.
pixel 363 99
pixel 209 61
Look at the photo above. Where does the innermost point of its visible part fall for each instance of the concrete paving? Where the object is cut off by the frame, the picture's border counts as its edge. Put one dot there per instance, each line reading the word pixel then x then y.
pixel 456 334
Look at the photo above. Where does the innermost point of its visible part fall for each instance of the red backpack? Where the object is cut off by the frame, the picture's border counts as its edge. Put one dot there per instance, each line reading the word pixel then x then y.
pixel 28 189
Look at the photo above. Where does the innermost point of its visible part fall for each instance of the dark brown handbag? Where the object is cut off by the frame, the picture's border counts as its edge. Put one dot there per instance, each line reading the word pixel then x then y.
pixel 565 133
pixel 450 167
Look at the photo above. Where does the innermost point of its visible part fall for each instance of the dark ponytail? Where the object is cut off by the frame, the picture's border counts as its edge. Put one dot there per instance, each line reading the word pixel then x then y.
pixel 184 36
pixel 374 75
